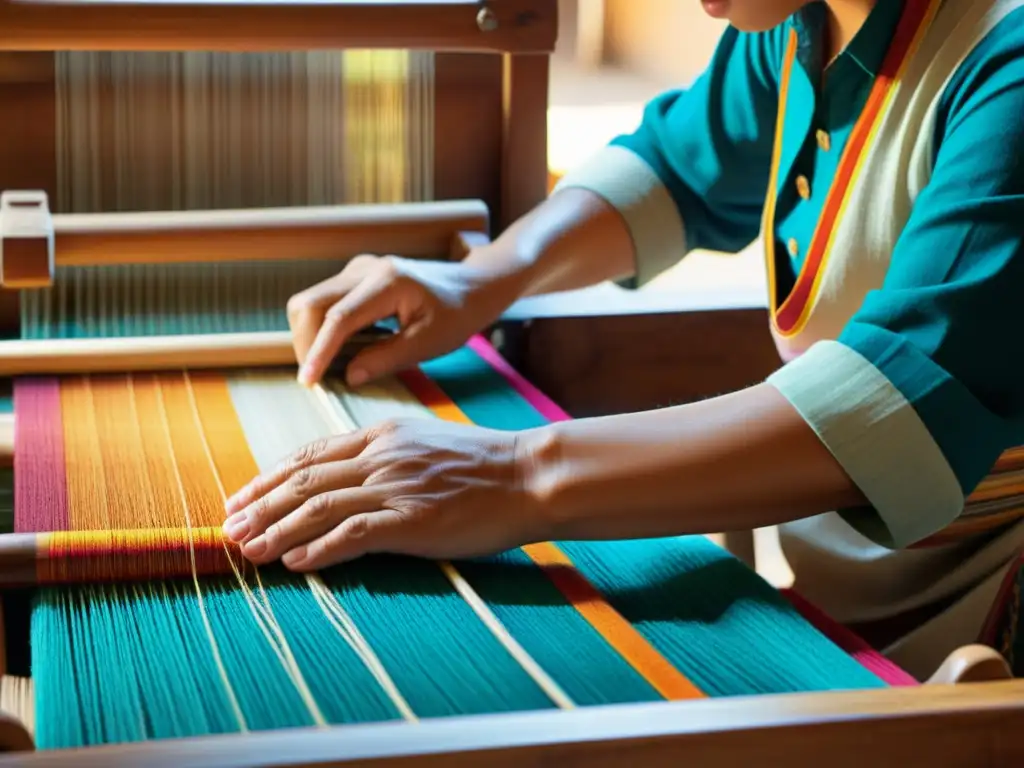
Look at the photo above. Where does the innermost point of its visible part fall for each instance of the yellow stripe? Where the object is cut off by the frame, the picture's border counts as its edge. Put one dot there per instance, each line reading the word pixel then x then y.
pixel 862 158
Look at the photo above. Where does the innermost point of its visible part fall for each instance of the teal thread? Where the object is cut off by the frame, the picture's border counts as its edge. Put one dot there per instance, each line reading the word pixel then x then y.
pixel 128 662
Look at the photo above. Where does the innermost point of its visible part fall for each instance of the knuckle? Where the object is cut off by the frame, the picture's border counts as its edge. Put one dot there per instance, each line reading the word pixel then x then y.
pixel 308 455
pixel 387 428
pixel 378 475
pixel 273 535
pixel 260 511
pixel 318 509
pixel 304 481
pixel 356 528
pixel 361 261
pixel 335 314
pixel 299 304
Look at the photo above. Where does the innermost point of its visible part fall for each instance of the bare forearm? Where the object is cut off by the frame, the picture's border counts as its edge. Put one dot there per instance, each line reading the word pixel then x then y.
pixel 573 240
pixel 736 462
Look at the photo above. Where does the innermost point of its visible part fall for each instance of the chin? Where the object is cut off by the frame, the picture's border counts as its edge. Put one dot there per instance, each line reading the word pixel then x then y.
pixel 752 15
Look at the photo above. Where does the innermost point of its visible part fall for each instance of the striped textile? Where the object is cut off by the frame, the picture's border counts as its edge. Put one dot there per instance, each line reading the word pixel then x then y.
pixel 608 622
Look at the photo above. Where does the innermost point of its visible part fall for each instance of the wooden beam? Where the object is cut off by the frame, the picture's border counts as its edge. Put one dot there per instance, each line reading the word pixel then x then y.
pixel 622 363
pixel 467 25
pixel 28 139
pixel 524 175
pixel 468 127
pixel 974 725
pixel 415 230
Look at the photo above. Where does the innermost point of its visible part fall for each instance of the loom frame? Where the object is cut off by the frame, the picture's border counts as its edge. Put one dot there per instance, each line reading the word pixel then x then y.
pixel 491 85
pixel 491 147
pixel 508 26
pixel 491 88
pixel 971 724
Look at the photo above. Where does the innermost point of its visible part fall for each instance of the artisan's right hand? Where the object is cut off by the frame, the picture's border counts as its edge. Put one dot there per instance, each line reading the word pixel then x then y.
pixel 438 305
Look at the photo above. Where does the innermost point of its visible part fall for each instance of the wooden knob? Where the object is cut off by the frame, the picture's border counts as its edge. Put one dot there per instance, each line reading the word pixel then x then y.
pixel 14 736
pixel 972 664
pixel 26 240
pixel 486 20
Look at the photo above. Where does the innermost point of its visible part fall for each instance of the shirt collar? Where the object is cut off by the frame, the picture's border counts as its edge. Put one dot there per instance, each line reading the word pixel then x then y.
pixel 869 46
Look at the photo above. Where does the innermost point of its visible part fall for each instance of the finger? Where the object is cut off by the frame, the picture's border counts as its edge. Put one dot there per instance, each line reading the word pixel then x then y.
pixel 367 303
pixel 287 497
pixel 336 448
pixel 306 310
pixel 311 520
pixel 400 351
pixel 362 533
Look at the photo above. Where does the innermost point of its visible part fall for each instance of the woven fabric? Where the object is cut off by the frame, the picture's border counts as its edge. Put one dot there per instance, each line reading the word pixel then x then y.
pixel 103 654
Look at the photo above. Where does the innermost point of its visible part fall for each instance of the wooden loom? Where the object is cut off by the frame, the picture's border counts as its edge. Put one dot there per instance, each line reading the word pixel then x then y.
pixel 497 57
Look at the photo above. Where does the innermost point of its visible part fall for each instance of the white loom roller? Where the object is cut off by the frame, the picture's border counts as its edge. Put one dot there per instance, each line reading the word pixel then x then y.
pixel 27 254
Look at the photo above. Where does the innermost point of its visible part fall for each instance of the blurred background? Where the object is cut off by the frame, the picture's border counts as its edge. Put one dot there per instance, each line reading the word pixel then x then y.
pixel 613 56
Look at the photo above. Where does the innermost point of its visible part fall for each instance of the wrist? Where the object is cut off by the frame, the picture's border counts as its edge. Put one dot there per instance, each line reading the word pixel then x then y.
pixel 540 480
pixel 495 279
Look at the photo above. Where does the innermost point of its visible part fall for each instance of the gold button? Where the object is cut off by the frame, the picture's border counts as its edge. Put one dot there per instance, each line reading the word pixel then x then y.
pixel 794 246
pixel 803 187
pixel 824 140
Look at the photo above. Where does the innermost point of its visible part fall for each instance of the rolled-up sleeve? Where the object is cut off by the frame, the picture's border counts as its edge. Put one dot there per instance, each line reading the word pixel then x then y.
pixel 694 173
pixel 924 388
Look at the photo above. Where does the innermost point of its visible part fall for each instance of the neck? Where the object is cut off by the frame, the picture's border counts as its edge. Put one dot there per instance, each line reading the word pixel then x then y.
pixel 845 19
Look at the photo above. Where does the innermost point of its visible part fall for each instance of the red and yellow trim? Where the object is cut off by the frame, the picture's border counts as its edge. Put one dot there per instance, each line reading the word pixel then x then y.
pixel 144 554
pixel 791 317
pixel 668 681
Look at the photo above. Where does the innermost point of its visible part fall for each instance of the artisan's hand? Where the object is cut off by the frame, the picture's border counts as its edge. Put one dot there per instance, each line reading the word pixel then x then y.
pixel 419 487
pixel 438 306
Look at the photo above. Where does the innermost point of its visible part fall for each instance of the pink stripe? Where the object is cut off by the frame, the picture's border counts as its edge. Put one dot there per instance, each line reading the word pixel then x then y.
pixel 543 404
pixel 867 656
pixel 40 484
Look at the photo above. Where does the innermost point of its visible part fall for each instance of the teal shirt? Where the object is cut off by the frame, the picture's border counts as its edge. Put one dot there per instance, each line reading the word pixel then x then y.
pixel 942 330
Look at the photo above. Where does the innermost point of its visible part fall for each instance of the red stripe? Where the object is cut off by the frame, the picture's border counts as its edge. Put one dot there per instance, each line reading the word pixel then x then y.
pixel 914 14
pixel 40 481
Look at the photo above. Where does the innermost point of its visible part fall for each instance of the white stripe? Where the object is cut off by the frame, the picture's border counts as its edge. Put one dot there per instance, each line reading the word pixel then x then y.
pixel 878 438
pixel 632 187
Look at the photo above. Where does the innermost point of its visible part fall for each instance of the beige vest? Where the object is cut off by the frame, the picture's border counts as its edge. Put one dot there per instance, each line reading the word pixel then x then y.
pixel 863 219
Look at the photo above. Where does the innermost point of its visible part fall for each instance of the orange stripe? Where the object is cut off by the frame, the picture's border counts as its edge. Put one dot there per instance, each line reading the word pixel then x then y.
pixel 620 634
pixel 790 318
pixel 184 441
pixel 229 449
pixel 971 526
pixel 581 594
pixel 87 495
pixel 130 502
pixel 768 224
pixel 432 396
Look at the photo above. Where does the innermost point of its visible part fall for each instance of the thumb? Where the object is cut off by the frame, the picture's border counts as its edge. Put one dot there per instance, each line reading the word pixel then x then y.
pixel 409 346
pixel 366 304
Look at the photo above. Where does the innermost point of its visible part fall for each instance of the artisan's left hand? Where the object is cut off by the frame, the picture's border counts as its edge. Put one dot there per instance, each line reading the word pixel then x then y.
pixel 418 487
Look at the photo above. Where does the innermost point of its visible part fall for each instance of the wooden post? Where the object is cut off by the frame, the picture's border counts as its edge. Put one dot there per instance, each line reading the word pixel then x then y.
pixel 524 172
pixel 468 129
pixel 28 137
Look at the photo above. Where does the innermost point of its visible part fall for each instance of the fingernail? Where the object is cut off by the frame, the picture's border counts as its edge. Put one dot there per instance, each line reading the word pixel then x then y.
pixel 256 547
pixel 237 526
pixel 294 557
pixel 305 376
pixel 358 377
